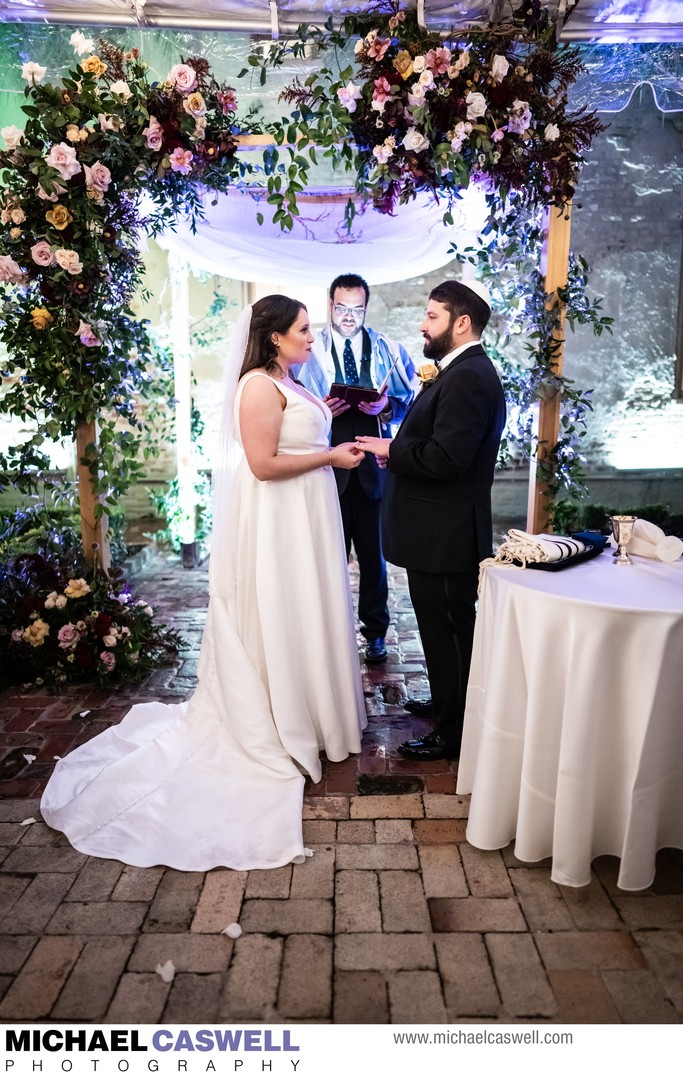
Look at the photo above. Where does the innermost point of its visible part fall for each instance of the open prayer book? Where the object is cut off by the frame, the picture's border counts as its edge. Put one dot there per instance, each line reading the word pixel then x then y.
pixel 355 394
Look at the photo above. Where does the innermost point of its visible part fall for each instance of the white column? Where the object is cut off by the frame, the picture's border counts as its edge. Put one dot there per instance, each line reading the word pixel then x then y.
pixel 182 358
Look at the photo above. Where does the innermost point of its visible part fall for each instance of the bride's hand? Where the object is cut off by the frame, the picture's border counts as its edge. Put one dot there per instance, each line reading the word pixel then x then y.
pixel 347 455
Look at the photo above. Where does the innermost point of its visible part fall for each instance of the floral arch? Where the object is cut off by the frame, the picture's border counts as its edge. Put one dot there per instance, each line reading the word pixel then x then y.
pixel 399 109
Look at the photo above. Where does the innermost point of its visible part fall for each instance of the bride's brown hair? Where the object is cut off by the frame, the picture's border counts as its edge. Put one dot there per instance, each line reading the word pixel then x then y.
pixel 272 314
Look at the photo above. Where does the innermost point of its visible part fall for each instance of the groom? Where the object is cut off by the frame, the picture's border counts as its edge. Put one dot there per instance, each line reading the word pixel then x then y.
pixel 437 503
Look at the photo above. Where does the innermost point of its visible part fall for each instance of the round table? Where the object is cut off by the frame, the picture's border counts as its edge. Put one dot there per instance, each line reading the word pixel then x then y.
pixel 573 739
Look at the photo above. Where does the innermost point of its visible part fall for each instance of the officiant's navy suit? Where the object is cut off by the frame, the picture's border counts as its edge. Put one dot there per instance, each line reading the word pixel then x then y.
pixel 436 518
pixel 360 491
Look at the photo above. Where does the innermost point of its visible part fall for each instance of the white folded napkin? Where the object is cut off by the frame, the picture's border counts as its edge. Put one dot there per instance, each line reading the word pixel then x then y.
pixel 649 540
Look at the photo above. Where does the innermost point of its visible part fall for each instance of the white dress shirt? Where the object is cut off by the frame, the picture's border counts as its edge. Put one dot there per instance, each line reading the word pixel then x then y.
pixel 443 363
pixel 356 345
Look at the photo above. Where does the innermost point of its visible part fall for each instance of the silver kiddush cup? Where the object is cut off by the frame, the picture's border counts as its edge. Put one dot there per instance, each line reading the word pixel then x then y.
pixel 622 529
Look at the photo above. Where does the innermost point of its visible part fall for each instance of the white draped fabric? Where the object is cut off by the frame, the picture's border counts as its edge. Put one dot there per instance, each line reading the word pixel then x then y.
pixel 573 741
pixel 383 247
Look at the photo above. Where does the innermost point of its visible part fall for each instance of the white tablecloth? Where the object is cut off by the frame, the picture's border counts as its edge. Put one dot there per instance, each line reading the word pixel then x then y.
pixel 573 741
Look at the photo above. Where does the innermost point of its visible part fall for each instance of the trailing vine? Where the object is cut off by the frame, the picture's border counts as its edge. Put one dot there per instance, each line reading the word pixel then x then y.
pixel 411 111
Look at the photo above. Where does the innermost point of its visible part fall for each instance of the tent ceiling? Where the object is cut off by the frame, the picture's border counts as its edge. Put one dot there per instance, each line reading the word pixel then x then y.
pixel 586 20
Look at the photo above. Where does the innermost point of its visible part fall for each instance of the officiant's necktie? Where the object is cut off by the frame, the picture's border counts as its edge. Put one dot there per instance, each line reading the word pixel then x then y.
pixel 350 370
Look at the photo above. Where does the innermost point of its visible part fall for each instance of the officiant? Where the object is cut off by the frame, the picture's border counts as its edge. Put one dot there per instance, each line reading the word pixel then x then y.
pixel 347 353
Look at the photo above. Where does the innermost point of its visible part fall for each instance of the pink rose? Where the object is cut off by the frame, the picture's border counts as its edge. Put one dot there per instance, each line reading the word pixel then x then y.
pixel 227 100
pixel 377 47
pixel 98 176
pixel 108 660
pixel 380 94
pixel 42 253
pixel 154 134
pixel 438 60
pixel 63 159
pixel 182 77
pixel 68 636
pixel 85 334
pixel 10 271
pixel 58 189
pixel 181 160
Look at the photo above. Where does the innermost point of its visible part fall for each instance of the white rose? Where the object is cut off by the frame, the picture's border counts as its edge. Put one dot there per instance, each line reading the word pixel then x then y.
pixel 476 105
pixel 551 132
pixel 109 640
pixel 148 611
pixel 80 43
pixel 499 68
pixel 415 141
pixel 426 78
pixel 122 89
pixel 60 602
pixel 63 158
pixel 33 73
pixel 419 64
pixel 359 46
pixel 12 136
pixel 416 95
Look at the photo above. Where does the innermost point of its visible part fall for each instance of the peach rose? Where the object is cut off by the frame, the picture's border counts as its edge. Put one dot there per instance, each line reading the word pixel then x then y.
pixel 41 317
pixel 59 217
pixel 93 66
pixel 69 260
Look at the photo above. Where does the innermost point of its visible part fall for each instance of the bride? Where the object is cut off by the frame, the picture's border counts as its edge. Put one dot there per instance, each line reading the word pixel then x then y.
pixel 218 780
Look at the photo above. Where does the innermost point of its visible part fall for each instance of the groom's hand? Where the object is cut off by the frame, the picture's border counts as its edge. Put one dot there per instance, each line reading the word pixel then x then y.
pixel 379 446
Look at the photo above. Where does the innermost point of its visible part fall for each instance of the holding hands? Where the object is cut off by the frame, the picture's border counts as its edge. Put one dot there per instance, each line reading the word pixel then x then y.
pixel 379 446
pixel 347 455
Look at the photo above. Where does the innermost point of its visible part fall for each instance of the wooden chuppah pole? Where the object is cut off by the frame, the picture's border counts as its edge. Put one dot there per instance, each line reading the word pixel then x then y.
pixel 93 530
pixel 558 229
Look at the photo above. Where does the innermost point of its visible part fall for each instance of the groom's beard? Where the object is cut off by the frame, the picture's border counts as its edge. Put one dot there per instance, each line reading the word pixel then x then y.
pixel 435 347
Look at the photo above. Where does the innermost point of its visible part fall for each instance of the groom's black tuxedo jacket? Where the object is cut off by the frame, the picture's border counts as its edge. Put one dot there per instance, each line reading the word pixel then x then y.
pixel 437 500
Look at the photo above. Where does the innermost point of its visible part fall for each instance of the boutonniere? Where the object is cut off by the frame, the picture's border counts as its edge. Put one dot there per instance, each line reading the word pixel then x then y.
pixel 428 371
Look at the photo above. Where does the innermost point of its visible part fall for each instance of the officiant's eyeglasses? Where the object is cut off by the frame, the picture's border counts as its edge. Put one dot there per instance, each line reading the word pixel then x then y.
pixel 357 312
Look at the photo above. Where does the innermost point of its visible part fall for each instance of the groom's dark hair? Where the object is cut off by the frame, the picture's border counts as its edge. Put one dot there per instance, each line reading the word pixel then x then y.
pixel 349 280
pixel 460 300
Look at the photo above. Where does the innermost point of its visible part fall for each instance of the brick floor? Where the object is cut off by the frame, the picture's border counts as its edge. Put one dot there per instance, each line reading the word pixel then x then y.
pixel 395 918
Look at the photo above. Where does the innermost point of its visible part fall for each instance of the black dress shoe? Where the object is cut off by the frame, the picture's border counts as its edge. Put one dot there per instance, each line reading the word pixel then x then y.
pixel 428 748
pixel 419 707
pixel 375 651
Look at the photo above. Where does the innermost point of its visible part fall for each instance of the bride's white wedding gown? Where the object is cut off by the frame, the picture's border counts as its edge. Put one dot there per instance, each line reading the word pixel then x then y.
pixel 217 781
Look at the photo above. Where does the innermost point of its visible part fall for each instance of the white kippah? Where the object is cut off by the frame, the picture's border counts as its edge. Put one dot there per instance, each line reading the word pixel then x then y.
pixel 479 289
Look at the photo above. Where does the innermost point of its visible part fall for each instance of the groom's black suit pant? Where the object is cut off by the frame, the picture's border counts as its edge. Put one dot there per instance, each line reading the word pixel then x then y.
pixel 445 608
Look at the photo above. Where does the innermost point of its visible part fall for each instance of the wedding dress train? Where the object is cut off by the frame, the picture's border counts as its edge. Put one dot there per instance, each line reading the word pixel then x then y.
pixel 218 780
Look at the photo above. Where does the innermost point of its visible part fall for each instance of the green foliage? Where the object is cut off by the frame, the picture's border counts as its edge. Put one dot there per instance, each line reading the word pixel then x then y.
pixel 70 219
pixel 507 257
pixel 49 524
pixel 407 112
pixel 167 505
